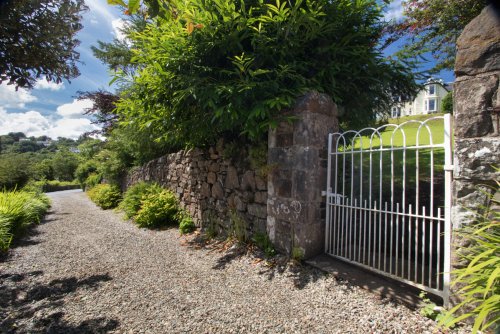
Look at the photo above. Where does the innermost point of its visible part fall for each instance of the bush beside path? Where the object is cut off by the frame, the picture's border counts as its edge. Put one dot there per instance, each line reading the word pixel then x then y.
pixel 86 270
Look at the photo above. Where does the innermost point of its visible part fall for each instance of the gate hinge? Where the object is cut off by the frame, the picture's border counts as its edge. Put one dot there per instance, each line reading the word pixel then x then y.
pixel 448 167
pixel 323 193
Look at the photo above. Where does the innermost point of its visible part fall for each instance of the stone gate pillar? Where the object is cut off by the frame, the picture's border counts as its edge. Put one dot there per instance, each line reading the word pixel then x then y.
pixel 297 160
pixel 476 112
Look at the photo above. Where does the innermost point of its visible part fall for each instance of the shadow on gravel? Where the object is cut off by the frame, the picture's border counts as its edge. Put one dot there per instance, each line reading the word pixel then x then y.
pixel 300 274
pixel 32 307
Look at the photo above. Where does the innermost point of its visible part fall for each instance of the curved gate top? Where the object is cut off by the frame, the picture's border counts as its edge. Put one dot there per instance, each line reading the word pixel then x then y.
pixel 389 201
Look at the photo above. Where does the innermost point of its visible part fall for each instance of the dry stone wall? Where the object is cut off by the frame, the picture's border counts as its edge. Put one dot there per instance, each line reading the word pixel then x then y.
pixel 209 186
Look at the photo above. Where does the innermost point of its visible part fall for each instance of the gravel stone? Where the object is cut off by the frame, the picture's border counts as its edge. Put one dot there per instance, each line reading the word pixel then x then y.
pixel 85 270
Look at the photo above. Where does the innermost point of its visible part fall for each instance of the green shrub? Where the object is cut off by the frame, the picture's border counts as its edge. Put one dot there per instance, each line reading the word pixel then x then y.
pixel 262 241
pixel 186 225
pixel 106 196
pixel 479 282
pixel 84 170
pixel 49 186
pixel 159 209
pixel 92 180
pixel 131 203
pixel 18 210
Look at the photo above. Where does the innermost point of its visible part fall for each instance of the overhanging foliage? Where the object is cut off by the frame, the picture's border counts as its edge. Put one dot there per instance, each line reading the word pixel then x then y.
pixel 220 67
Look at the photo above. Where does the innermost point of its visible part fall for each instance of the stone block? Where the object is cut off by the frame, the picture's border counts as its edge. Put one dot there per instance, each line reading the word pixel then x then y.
pixel 280 183
pixel 473 98
pixel 232 178
pixel 211 178
pixel 214 167
pixel 478 47
pixel 476 158
pixel 260 183
pixel 239 204
pixel 310 238
pixel 217 191
pixel 257 210
pixel 279 233
pixel 248 181
pixel 315 102
pixel 261 197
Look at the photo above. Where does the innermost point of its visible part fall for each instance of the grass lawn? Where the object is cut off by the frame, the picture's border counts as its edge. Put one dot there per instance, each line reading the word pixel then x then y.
pixel 404 173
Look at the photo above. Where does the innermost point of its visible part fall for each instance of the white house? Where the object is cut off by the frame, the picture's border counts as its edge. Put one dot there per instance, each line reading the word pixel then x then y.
pixel 427 101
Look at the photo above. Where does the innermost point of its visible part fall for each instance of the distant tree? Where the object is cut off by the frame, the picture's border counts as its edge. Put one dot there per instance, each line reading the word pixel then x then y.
pixel 447 103
pixel 64 164
pixel 103 109
pixel 14 170
pixel 16 136
pixel 432 27
pixel 37 38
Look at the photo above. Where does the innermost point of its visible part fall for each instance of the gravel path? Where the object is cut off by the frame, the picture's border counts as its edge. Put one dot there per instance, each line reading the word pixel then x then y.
pixel 85 270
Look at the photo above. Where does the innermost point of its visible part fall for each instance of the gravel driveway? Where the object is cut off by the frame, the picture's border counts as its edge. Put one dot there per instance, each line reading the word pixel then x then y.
pixel 85 270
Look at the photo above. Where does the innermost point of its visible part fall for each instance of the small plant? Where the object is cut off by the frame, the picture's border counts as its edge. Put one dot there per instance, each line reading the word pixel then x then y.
pixel 157 210
pixel 105 196
pixel 210 228
pixel 429 309
pixel 262 241
pixel 238 228
pixel 186 225
pixel 132 198
pixel 297 254
pixel 480 281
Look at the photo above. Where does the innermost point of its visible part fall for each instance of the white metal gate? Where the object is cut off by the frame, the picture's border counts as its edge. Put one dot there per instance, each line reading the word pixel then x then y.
pixel 388 201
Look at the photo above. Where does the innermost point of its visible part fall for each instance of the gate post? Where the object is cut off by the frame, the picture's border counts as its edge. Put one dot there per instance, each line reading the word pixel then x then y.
pixel 476 111
pixel 297 153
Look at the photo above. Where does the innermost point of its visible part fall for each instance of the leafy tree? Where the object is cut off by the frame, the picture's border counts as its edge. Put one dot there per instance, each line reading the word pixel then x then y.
pixel 447 103
pixel 14 170
pixel 432 27
pixel 218 67
pixel 37 38
pixel 103 109
pixel 64 164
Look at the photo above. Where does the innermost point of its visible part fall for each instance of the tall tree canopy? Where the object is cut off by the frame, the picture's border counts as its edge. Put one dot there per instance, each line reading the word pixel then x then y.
pixel 432 27
pixel 37 38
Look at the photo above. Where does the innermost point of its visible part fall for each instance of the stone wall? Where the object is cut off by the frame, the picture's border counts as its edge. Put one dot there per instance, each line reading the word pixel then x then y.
pixel 476 113
pixel 208 186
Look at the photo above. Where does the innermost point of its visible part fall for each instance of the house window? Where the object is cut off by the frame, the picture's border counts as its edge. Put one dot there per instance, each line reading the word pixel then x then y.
pixel 431 90
pixel 430 105
pixel 396 112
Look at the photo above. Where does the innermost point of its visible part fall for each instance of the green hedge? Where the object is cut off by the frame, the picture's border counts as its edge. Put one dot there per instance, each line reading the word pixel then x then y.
pixel 50 186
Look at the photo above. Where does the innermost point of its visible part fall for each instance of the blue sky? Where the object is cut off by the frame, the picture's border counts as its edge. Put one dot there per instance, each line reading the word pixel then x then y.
pixel 52 110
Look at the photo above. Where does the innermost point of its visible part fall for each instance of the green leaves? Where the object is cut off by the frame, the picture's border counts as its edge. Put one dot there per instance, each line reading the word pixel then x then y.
pixel 479 282
pixel 224 68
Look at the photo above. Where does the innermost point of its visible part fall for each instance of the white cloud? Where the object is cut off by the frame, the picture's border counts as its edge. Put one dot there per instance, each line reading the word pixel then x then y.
pixel 395 11
pixel 101 8
pixel 27 122
pixel 74 109
pixel 44 84
pixel 71 128
pixel 118 25
pixel 32 123
pixel 10 98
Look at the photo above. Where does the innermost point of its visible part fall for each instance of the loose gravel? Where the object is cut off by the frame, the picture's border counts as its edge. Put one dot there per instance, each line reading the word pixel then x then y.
pixel 85 270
